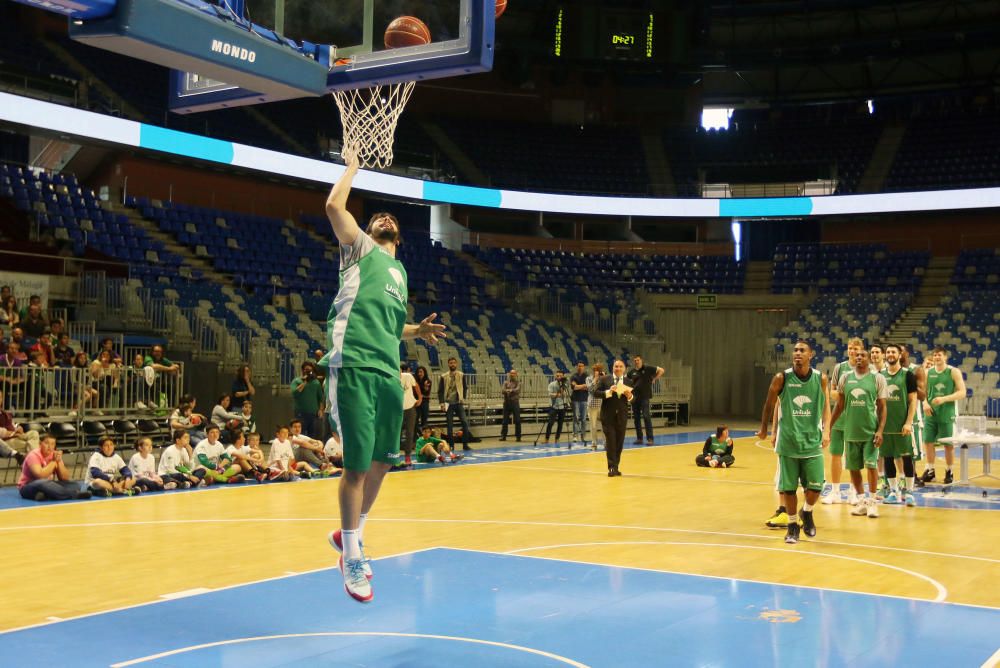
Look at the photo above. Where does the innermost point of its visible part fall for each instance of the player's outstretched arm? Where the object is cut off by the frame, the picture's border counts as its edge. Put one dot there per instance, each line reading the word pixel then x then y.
pixel 426 329
pixel 344 226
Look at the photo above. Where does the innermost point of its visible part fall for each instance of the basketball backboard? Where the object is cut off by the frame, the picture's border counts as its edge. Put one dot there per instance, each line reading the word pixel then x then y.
pixel 346 38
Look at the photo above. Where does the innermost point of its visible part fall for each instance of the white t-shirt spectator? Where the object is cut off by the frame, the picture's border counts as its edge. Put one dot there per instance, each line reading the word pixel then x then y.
pixel 109 466
pixel 281 451
pixel 220 417
pixel 243 450
pixel 213 451
pixel 409 382
pixel 333 448
pixel 142 467
pixel 171 458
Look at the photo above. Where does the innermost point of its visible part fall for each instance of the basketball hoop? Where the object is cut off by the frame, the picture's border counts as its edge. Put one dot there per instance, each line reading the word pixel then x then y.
pixel 369 117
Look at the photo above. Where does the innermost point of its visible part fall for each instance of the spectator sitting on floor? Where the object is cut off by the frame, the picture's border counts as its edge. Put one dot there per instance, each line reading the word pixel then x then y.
pixel 281 460
pixel 334 450
pixel 62 353
pixel 210 456
pixel 222 416
pixel 251 462
pixel 107 474
pixel 34 321
pixel 718 450
pixel 246 415
pixel 186 419
pixel 176 462
pixel 14 436
pixel 430 448
pixel 307 449
pixel 143 467
pixel 44 476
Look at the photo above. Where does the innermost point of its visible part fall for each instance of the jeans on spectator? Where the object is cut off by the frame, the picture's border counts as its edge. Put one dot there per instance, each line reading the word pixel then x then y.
pixel 640 414
pixel 580 420
pixel 511 409
pixel 54 490
pixel 555 414
pixel 457 410
pixel 310 424
pixel 423 413
pixel 308 456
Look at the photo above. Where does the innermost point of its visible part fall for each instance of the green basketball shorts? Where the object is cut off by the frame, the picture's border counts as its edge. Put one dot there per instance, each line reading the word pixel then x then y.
pixel 936 428
pixel 896 445
pixel 861 455
pixel 366 409
pixel 804 471
pixel 837 442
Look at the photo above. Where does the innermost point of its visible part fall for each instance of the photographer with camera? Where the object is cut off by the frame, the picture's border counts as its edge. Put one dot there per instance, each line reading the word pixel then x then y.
pixel 559 391
pixel 307 399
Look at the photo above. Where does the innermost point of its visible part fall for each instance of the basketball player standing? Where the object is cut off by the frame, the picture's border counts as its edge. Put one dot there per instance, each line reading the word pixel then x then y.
pixel 945 386
pixel 837 432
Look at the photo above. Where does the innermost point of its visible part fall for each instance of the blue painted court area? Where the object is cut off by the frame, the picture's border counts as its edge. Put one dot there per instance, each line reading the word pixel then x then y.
pixel 444 607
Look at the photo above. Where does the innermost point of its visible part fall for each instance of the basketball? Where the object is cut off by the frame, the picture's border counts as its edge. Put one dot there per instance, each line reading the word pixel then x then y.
pixel 196 420
pixel 501 7
pixel 406 31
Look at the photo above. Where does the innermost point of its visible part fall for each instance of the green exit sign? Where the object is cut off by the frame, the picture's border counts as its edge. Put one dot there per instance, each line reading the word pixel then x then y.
pixel 707 301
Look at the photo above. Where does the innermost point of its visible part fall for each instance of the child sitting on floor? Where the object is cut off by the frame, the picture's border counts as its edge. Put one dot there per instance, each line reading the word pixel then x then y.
pixel 249 461
pixel 107 474
pixel 430 448
pixel 210 456
pixel 143 467
pixel 176 462
pixel 718 450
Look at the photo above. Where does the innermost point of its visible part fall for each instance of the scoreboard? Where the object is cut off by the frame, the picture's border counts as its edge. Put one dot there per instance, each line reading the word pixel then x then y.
pixel 588 32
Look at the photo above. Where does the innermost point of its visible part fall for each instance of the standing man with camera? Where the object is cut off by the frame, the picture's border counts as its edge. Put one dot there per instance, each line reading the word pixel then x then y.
pixel 641 378
pixel 307 398
pixel 578 384
pixel 559 392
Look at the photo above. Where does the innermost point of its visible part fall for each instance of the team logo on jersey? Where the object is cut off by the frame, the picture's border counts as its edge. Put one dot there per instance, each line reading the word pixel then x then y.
pixel 939 387
pixel 801 402
pixel 396 291
pixel 858 397
pixel 858 393
pixel 894 392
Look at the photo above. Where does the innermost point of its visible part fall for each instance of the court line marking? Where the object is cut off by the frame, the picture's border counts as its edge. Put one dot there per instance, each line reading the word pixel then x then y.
pixel 576 525
pixel 232 586
pixel 731 579
pixel 377 634
pixel 184 593
pixel 942 591
pixel 993 661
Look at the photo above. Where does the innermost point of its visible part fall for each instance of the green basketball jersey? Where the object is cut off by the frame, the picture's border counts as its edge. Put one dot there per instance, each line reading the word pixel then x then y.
pixel 801 402
pixel 860 395
pixel 940 384
pixel 718 447
pixel 897 403
pixel 838 372
pixel 367 317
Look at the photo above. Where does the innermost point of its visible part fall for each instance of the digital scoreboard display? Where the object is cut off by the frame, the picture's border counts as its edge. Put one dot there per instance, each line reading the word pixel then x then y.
pixel 627 35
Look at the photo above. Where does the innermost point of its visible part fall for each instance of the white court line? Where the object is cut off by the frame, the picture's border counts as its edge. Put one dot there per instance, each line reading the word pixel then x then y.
pixel 352 634
pixel 576 525
pixel 993 661
pixel 646 475
pixel 185 593
pixel 232 586
pixel 942 592
pixel 728 579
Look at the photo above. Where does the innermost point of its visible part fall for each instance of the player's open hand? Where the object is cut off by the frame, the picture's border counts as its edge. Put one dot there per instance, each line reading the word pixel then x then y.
pixel 350 155
pixel 430 331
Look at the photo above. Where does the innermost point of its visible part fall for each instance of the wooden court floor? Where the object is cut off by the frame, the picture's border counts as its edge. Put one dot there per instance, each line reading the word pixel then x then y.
pixel 663 514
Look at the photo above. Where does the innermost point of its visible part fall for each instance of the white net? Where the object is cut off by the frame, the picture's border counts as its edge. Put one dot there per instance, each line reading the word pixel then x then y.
pixel 369 117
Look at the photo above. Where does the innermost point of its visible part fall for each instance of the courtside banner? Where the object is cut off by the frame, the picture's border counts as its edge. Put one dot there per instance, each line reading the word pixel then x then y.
pixel 88 125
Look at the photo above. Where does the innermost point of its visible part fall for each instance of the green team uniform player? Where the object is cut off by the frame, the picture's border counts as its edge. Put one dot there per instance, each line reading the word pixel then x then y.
pixel 900 411
pixel 366 323
pixel 833 494
pixel 945 386
pixel 803 430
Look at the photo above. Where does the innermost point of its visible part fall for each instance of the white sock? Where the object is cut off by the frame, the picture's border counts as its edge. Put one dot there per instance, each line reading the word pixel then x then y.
pixel 911 483
pixel 894 484
pixel 352 545
pixel 807 507
pixel 792 519
pixel 361 528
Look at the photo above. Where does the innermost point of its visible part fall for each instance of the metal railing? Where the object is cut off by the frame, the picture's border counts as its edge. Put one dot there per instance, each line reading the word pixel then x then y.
pixel 42 393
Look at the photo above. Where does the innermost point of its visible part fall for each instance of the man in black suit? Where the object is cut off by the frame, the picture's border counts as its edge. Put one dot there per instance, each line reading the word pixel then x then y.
pixel 616 396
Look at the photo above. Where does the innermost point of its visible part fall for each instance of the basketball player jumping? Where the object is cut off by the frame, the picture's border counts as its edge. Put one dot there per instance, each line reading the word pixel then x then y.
pixel 365 325
pixel 803 432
